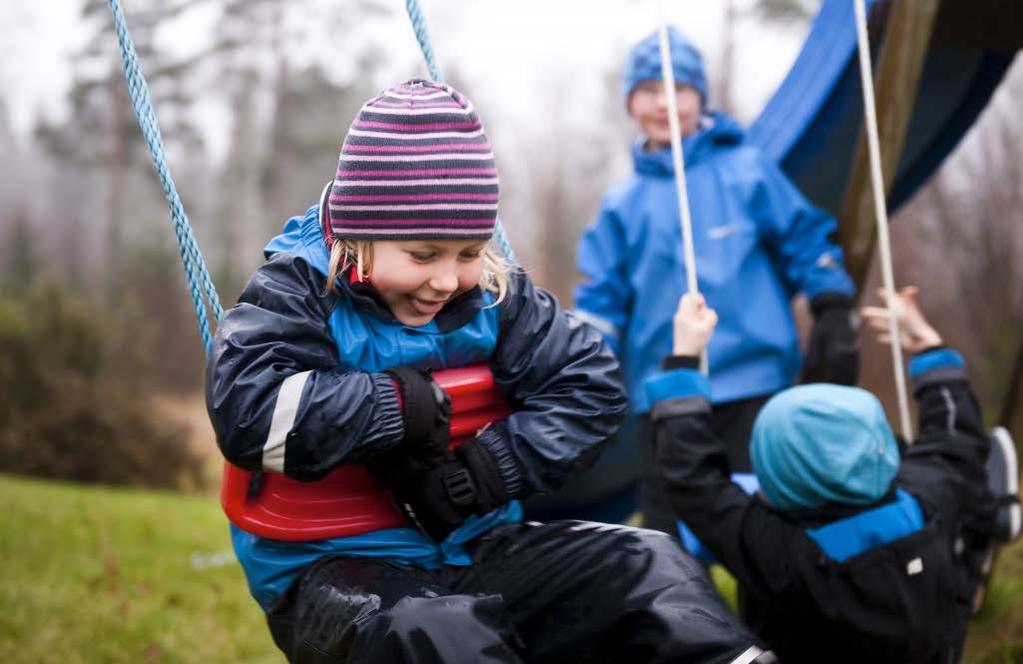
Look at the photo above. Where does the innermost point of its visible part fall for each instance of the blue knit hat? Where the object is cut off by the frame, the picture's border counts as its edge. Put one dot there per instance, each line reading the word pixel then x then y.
pixel 644 63
pixel 820 443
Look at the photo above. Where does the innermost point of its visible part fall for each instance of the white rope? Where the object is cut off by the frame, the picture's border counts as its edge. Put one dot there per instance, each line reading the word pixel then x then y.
pixel 881 213
pixel 668 76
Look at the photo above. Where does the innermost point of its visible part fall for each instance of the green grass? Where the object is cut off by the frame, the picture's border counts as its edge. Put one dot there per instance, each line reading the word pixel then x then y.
pixel 996 633
pixel 118 575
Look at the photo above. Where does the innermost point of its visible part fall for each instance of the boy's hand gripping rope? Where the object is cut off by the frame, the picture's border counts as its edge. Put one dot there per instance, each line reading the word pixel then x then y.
pixel 191 257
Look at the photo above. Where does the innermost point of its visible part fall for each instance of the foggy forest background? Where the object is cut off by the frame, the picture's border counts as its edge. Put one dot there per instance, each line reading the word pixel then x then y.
pixel 99 351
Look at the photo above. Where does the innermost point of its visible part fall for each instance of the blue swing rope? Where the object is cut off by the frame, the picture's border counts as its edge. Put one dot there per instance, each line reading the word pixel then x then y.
pixel 199 282
pixel 200 285
pixel 415 15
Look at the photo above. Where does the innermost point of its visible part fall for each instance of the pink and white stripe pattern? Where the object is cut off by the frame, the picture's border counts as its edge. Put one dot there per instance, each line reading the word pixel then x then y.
pixel 415 164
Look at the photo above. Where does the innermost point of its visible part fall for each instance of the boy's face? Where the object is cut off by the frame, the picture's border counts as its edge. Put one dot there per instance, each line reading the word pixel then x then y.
pixel 649 108
pixel 416 278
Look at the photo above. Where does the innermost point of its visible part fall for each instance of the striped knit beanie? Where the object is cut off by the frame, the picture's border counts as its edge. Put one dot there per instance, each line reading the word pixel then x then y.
pixel 415 165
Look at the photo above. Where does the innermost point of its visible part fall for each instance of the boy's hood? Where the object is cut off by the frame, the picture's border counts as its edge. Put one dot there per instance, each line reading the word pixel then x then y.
pixel 819 444
pixel 717 130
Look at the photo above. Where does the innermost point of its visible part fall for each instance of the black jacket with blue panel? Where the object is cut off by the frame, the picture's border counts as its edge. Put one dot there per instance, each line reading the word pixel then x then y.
pixel 817 585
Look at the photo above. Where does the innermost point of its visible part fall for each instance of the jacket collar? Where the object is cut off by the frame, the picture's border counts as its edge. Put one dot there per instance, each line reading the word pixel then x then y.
pixel 716 130
pixel 821 516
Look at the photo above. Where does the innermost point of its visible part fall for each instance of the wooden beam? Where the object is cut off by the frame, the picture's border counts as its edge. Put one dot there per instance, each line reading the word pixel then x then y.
pixel 1012 407
pixel 985 24
pixel 900 61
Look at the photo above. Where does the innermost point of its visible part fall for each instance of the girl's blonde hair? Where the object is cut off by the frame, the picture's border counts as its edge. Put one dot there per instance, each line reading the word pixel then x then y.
pixel 358 255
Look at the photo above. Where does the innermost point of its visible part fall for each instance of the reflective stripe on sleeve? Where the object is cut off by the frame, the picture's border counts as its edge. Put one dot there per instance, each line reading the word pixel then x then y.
pixel 755 655
pixel 603 325
pixel 288 398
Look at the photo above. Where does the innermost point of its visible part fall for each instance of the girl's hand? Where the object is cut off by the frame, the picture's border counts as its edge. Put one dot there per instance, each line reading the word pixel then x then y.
pixel 915 333
pixel 694 323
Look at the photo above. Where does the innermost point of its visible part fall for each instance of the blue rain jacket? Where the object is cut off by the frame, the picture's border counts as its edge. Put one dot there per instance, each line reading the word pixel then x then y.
pixel 757 241
pixel 289 340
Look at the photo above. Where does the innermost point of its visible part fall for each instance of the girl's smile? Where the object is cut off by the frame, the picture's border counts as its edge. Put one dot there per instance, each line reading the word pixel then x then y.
pixel 426 307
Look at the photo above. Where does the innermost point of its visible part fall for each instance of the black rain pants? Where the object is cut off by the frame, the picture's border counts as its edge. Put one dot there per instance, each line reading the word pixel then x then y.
pixel 566 591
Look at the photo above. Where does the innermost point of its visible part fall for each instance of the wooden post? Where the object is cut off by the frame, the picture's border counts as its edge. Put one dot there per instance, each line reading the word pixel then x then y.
pixel 900 62
pixel 1012 407
pixel 988 24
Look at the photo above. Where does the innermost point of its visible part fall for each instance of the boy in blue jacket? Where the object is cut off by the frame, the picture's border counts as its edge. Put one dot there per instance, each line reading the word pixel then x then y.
pixel 852 551
pixel 757 241
pixel 324 362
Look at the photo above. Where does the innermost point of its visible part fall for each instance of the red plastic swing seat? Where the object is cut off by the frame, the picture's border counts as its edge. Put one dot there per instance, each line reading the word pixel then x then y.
pixel 347 501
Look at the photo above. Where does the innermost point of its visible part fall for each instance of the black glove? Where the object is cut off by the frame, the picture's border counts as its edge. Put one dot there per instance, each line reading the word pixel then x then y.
pixel 833 354
pixel 437 498
pixel 426 414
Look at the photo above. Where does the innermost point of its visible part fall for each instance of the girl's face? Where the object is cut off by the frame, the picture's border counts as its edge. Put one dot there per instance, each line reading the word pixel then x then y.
pixel 416 278
pixel 649 108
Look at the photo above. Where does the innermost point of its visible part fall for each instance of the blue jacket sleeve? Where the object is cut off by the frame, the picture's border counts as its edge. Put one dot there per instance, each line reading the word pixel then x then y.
pixel 564 382
pixel 604 297
pixel 276 394
pixel 800 236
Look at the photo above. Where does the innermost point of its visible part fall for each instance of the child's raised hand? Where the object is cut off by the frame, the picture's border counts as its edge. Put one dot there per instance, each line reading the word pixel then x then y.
pixel 915 333
pixel 694 323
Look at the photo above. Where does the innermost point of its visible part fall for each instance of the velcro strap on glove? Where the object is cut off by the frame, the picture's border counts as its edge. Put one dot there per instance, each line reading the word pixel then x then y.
pixel 458 483
pixel 485 476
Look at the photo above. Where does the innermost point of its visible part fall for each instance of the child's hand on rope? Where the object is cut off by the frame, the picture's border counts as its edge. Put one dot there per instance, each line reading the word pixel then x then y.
pixel 915 333
pixel 694 323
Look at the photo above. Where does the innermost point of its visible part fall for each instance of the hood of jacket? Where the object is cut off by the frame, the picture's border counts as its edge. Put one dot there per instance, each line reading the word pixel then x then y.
pixel 302 236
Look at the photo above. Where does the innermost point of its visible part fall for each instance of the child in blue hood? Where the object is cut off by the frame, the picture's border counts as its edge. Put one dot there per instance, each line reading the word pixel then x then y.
pixel 851 551
pixel 325 363
pixel 758 242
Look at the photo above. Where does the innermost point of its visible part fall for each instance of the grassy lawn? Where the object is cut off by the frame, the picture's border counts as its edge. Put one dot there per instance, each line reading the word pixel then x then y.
pixel 116 575
pixel 996 634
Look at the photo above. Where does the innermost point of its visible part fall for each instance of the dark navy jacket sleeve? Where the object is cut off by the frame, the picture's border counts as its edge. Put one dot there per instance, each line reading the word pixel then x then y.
pixel 276 394
pixel 945 467
pixel 604 297
pixel 800 236
pixel 564 382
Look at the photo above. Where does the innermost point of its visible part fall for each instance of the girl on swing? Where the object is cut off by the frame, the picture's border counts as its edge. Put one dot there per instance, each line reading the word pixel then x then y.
pixel 326 360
